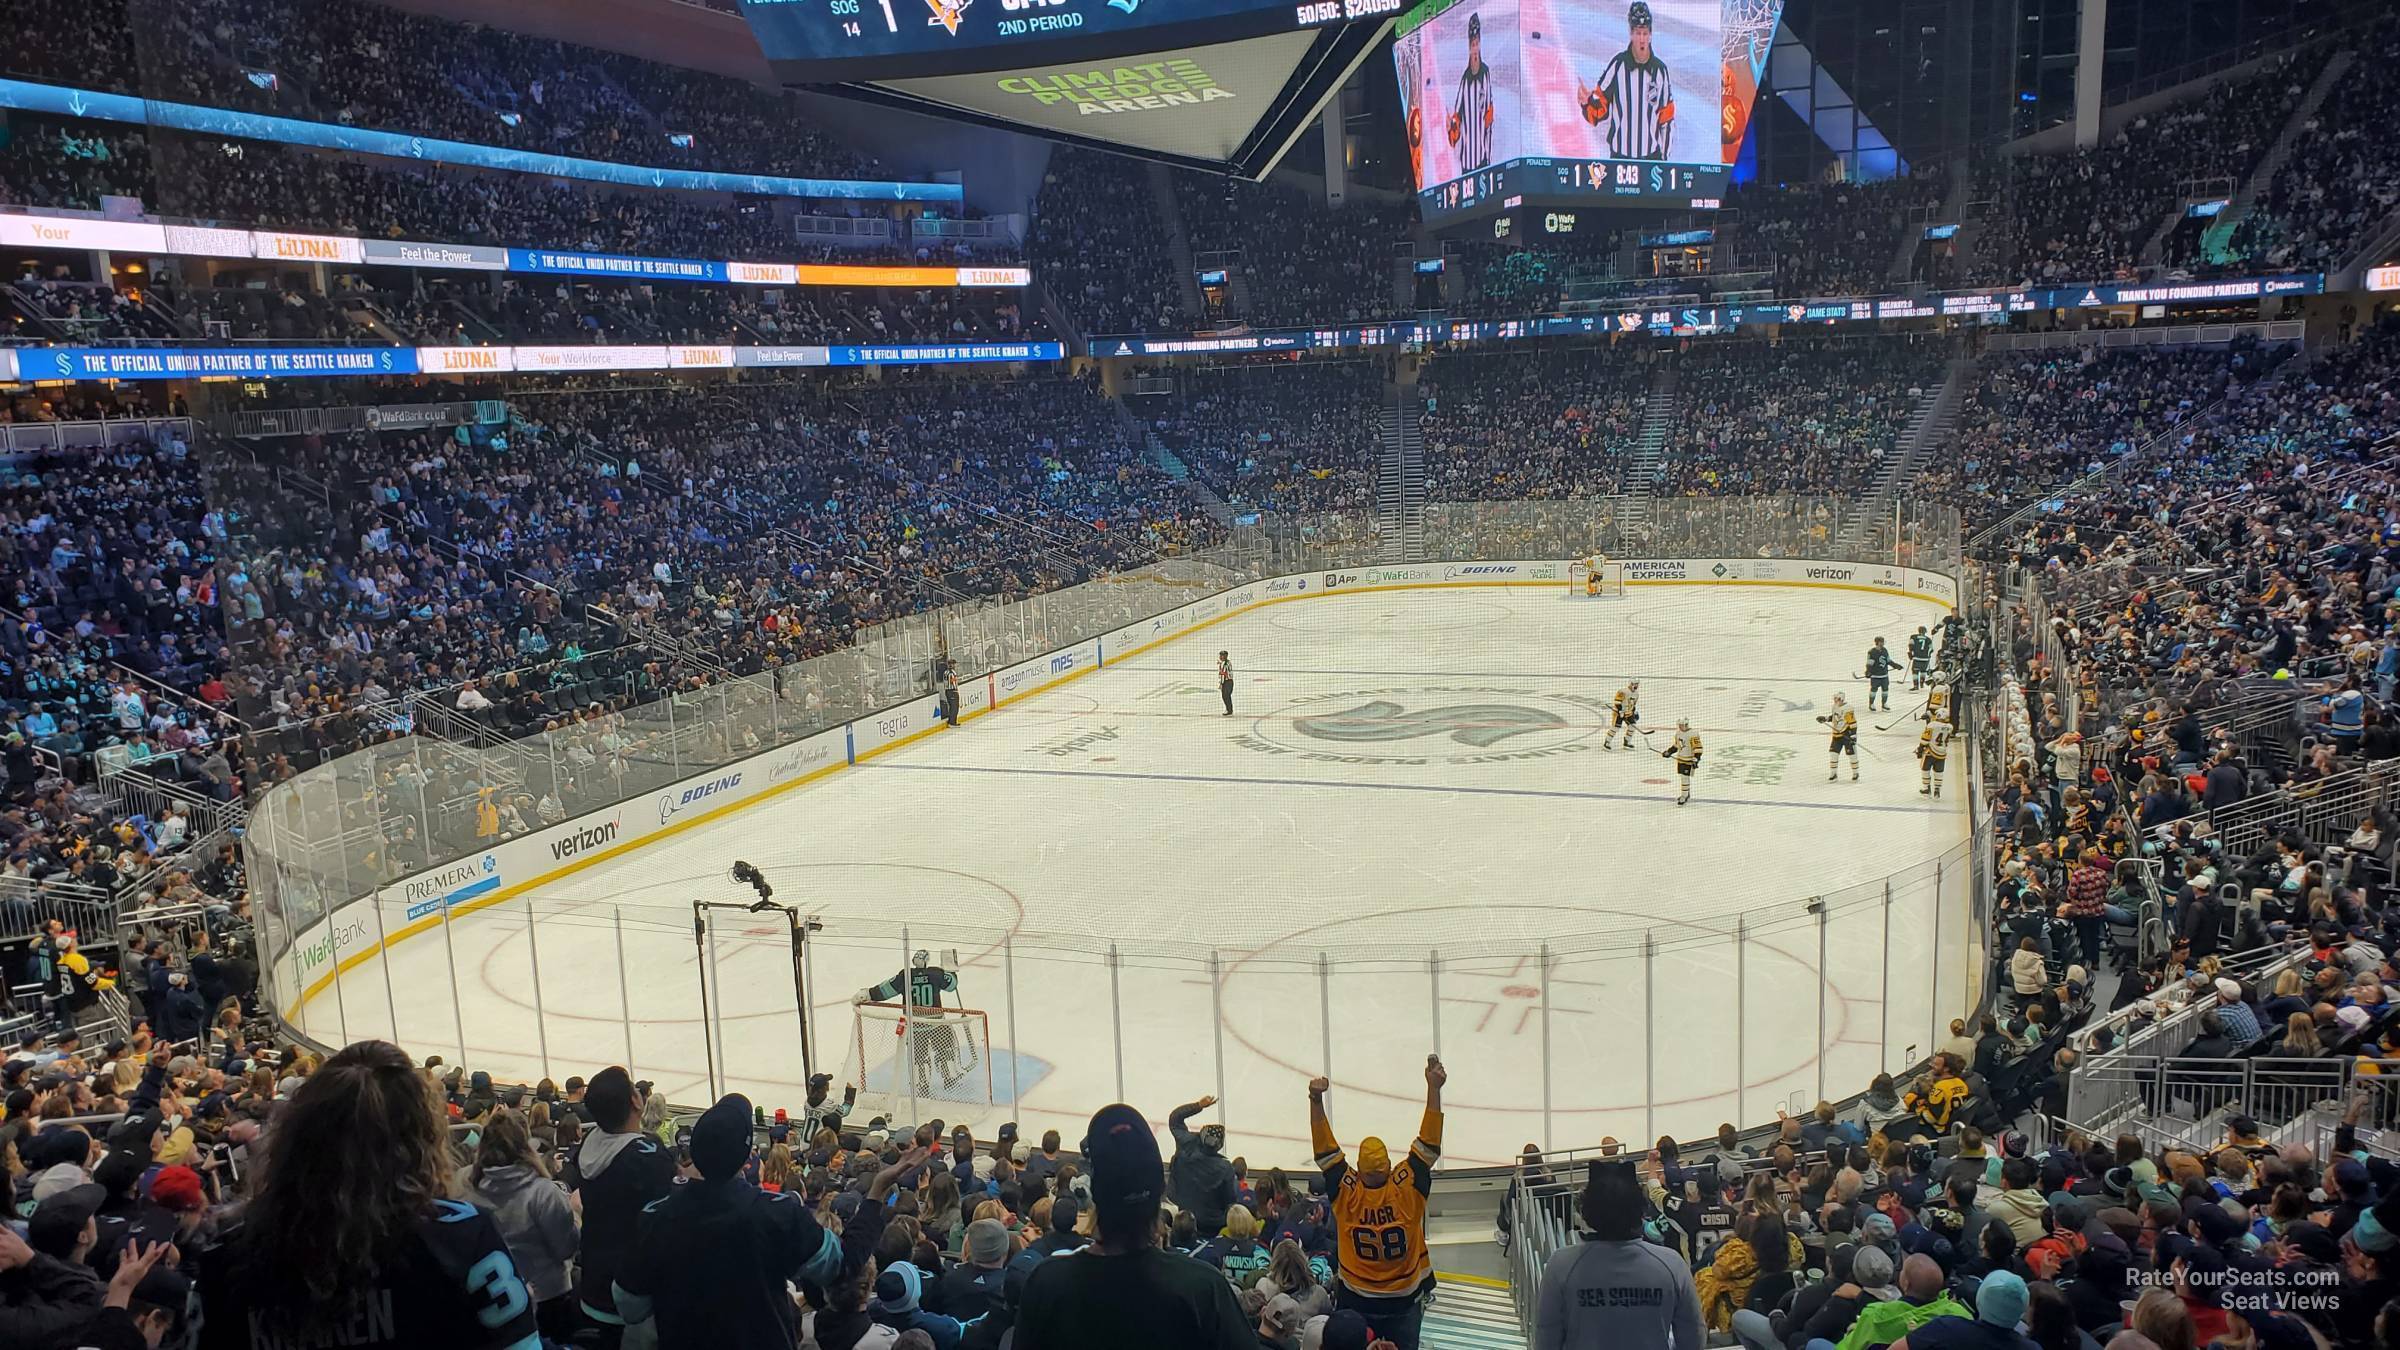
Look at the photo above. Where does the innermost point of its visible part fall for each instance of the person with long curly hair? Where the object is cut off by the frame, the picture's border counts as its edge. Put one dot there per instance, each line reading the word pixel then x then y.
pixel 351 1236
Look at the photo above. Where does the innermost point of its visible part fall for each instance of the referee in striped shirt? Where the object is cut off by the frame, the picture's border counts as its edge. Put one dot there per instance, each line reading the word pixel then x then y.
pixel 1471 111
pixel 1633 102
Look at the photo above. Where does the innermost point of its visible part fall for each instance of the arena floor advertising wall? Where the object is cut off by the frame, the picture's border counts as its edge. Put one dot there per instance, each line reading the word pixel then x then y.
pixel 1409 838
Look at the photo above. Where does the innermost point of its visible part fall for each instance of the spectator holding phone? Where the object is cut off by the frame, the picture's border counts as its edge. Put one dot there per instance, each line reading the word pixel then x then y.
pixel 511 1182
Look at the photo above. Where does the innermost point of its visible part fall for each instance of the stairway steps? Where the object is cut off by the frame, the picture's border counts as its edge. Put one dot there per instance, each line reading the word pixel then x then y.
pixel 2219 235
pixel 1932 427
pixel 1400 482
pixel 1471 1316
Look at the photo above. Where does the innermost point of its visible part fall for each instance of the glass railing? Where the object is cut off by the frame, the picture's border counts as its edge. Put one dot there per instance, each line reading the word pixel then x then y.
pixel 1615 1023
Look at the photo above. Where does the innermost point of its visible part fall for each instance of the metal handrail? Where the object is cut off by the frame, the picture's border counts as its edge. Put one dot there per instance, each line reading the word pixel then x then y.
pixel 2081 487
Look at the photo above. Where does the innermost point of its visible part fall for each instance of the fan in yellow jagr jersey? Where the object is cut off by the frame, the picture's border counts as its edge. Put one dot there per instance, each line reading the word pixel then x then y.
pixel 1843 723
pixel 1685 750
pixel 1379 1214
pixel 1624 715
pixel 1933 755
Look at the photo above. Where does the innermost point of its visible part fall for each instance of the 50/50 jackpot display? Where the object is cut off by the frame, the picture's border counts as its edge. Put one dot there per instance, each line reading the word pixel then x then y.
pixel 1641 101
pixel 830 40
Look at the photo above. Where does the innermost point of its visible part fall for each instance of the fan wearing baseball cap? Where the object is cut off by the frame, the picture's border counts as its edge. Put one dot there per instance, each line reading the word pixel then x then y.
pixel 1123 1289
pixel 1379 1214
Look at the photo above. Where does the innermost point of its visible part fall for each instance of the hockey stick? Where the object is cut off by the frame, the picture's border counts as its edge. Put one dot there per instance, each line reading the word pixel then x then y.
pixel 1904 716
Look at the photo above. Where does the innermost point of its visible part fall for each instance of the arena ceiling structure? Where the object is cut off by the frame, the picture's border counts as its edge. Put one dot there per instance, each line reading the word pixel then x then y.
pixel 1222 85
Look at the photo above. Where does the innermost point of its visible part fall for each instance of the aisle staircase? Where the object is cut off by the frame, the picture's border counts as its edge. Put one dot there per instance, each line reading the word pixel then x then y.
pixel 2216 243
pixel 1164 458
pixel 1470 1313
pixel 1936 417
pixel 1400 487
pixel 1179 240
pixel 1649 454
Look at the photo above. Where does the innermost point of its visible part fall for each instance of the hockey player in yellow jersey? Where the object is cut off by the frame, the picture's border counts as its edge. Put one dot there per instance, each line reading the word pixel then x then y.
pixel 1843 724
pixel 1624 715
pixel 1593 567
pixel 1937 702
pixel 1933 756
pixel 1685 751
pixel 1385 1270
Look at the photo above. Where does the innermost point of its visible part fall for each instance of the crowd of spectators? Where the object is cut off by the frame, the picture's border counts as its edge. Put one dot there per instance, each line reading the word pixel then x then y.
pixel 2343 177
pixel 367 65
pixel 1490 279
pixel 1798 417
pixel 476 1214
pixel 2033 422
pixel 1097 242
pixel 1300 262
pixel 2087 216
pixel 2244 547
pixel 50 163
pixel 43 310
pixel 763 529
pixel 1829 238
pixel 1518 426
pixel 1280 437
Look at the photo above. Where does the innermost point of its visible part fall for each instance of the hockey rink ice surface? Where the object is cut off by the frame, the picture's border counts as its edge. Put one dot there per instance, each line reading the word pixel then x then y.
pixel 1409 774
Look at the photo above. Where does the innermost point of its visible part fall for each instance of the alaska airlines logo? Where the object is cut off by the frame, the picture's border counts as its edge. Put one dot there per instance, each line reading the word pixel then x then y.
pixel 1481 725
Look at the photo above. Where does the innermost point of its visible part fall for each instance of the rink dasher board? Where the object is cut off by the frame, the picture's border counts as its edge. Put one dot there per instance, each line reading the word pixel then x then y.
pixel 355 933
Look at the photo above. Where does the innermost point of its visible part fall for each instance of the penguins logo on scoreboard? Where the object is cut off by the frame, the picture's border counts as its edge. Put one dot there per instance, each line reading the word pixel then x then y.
pixel 947 13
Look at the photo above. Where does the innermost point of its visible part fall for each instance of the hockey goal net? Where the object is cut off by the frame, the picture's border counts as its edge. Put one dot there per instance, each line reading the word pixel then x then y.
pixel 939 1057
pixel 1611 579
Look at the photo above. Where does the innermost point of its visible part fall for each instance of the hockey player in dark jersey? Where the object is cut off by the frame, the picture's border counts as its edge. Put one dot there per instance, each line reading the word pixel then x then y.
pixel 1879 675
pixel 1920 658
pixel 939 1049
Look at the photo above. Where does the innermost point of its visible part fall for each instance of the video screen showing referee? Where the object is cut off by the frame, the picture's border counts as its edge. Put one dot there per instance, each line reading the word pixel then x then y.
pixel 1608 70
pixel 1632 103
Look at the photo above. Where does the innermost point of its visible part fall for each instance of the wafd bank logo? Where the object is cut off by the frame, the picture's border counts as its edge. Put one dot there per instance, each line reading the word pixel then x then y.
pixel 340 938
pixel 673 804
pixel 1148 86
pixel 1429 724
pixel 451 886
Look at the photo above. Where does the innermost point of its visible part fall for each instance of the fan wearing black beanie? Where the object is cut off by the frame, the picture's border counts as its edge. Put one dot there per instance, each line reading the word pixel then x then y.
pixel 713 1258
pixel 1090 1299
pixel 1614 1289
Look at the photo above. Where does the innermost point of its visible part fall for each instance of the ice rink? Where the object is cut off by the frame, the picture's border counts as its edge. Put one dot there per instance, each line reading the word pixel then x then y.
pixel 1365 862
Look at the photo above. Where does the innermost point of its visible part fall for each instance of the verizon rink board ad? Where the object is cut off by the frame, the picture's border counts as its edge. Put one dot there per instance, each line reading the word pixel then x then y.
pixel 417 903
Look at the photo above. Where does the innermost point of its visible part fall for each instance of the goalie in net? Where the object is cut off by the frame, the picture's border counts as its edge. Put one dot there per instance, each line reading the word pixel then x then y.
pixel 905 1042
pixel 1595 576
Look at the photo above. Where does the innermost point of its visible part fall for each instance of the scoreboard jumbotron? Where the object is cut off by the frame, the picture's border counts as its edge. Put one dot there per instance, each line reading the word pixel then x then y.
pixel 1226 85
